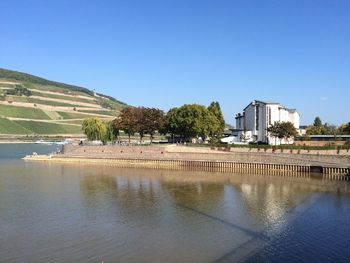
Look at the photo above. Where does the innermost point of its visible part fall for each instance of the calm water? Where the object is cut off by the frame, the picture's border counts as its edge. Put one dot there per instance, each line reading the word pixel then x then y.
pixel 82 213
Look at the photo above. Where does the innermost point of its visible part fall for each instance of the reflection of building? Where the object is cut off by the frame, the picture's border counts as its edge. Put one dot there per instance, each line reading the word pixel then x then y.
pixel 259 115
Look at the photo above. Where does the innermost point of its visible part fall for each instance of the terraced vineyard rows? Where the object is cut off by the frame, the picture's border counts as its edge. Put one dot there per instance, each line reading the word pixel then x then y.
pixel 43 108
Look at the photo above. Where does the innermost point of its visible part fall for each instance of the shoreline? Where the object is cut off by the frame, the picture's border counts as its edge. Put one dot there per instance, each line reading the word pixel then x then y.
pixel 187 158
pixel 16 142
pixel 332 173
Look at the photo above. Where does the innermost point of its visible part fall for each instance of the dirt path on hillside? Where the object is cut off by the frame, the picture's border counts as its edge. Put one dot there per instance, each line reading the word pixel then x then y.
pixel 11 83
pixel 54 108
pixel 37 120
pixel 62 94
pixel 86 104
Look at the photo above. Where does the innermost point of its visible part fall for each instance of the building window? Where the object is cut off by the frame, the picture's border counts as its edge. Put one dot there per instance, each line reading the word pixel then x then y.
pixel 270 116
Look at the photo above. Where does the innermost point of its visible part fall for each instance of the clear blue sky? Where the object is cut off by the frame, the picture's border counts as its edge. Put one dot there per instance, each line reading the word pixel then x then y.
pixel 167 53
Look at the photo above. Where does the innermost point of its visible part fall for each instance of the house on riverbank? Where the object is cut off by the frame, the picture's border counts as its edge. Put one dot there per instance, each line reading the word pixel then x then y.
pixel 252 123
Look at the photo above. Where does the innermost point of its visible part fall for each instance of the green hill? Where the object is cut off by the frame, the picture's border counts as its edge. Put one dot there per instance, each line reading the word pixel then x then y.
pixel 31 105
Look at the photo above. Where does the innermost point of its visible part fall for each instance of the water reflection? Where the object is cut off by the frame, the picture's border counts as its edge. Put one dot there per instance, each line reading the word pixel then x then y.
pixel 90 213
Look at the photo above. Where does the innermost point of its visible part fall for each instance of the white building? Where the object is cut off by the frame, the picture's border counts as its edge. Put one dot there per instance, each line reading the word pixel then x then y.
pixel 258 116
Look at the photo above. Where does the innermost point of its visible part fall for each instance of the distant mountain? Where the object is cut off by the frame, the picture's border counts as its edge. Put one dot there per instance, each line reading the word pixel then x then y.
pixel 30 105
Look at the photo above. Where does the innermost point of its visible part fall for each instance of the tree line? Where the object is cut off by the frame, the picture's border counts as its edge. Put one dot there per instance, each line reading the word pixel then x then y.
pixel 319 128
pixel 187 121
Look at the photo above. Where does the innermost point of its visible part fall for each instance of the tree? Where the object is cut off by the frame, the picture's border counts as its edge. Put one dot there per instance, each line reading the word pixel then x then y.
pixel 112 130
pixel 95 129
pixel 215 109
pixel 154 121
pixel 274 130
pixel 141 120
pixel 282 130
pixel 317 122
pixel 287 130
pixel 325 129
pixel 313 130
pixel 127 121
pixel 172 123
pixel 344 128
pixel 191 120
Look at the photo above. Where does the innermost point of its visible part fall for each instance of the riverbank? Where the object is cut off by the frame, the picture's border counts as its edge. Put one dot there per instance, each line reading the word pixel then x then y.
pixel 208 159
pixel 16 142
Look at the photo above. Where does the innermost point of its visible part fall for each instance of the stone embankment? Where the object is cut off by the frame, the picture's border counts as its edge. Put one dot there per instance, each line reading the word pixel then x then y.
pixel 334 164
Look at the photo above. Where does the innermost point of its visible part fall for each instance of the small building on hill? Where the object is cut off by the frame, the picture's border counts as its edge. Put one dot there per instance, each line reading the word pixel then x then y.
pixel 258 116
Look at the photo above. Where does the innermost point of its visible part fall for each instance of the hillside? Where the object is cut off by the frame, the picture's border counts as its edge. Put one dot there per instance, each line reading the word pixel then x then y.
pixel 31 105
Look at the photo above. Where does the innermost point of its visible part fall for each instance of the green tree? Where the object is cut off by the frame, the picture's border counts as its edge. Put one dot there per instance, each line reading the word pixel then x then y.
pixel 287 130
pixel 344 129
pixel 191 120
pixel 95 129
pixel 317 122
pixel 313 130
pixel 112 130
pixel 282 130
pixel 274 130
pixel 215 109
pixel 172 123
pixel 325 129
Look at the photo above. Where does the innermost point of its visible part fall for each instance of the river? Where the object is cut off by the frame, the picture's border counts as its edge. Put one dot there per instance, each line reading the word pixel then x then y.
pixel 90 213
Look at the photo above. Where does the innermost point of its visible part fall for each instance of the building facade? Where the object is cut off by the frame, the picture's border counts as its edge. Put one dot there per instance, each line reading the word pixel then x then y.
pixel 258 116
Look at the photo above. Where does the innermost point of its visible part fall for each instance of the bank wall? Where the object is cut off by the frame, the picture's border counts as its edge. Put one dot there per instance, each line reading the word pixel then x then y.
pixel 332 159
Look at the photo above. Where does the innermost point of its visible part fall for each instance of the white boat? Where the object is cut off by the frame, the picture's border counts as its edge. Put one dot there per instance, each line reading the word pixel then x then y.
pixel 61 143
pixel 51 143
pixel 43 142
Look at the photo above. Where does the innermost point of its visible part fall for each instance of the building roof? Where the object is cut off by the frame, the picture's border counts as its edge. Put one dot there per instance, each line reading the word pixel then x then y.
pixel 263 102
pixel 266 102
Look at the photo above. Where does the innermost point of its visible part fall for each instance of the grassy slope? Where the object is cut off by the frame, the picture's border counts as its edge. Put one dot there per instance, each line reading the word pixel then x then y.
pixel 49 128
pixel 71 115
pixel 9 127
pixel 108 113
pixel 62 97
pixel 69 93
pixel 19 112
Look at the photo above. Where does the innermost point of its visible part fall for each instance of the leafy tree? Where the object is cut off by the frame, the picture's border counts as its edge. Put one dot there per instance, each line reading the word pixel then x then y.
pixel 274 130
pixel 172 123
pixel 313 130
pixel 287 130
pixel 127 121
pixel 325 129
pixel 95 129
pixel 282 130
pixel 191 120
pixel 112 130
pixel 344 128
pixel 317 122
pixel 215 109
pixel 19 90
pixel 154 121
pixel 141 121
